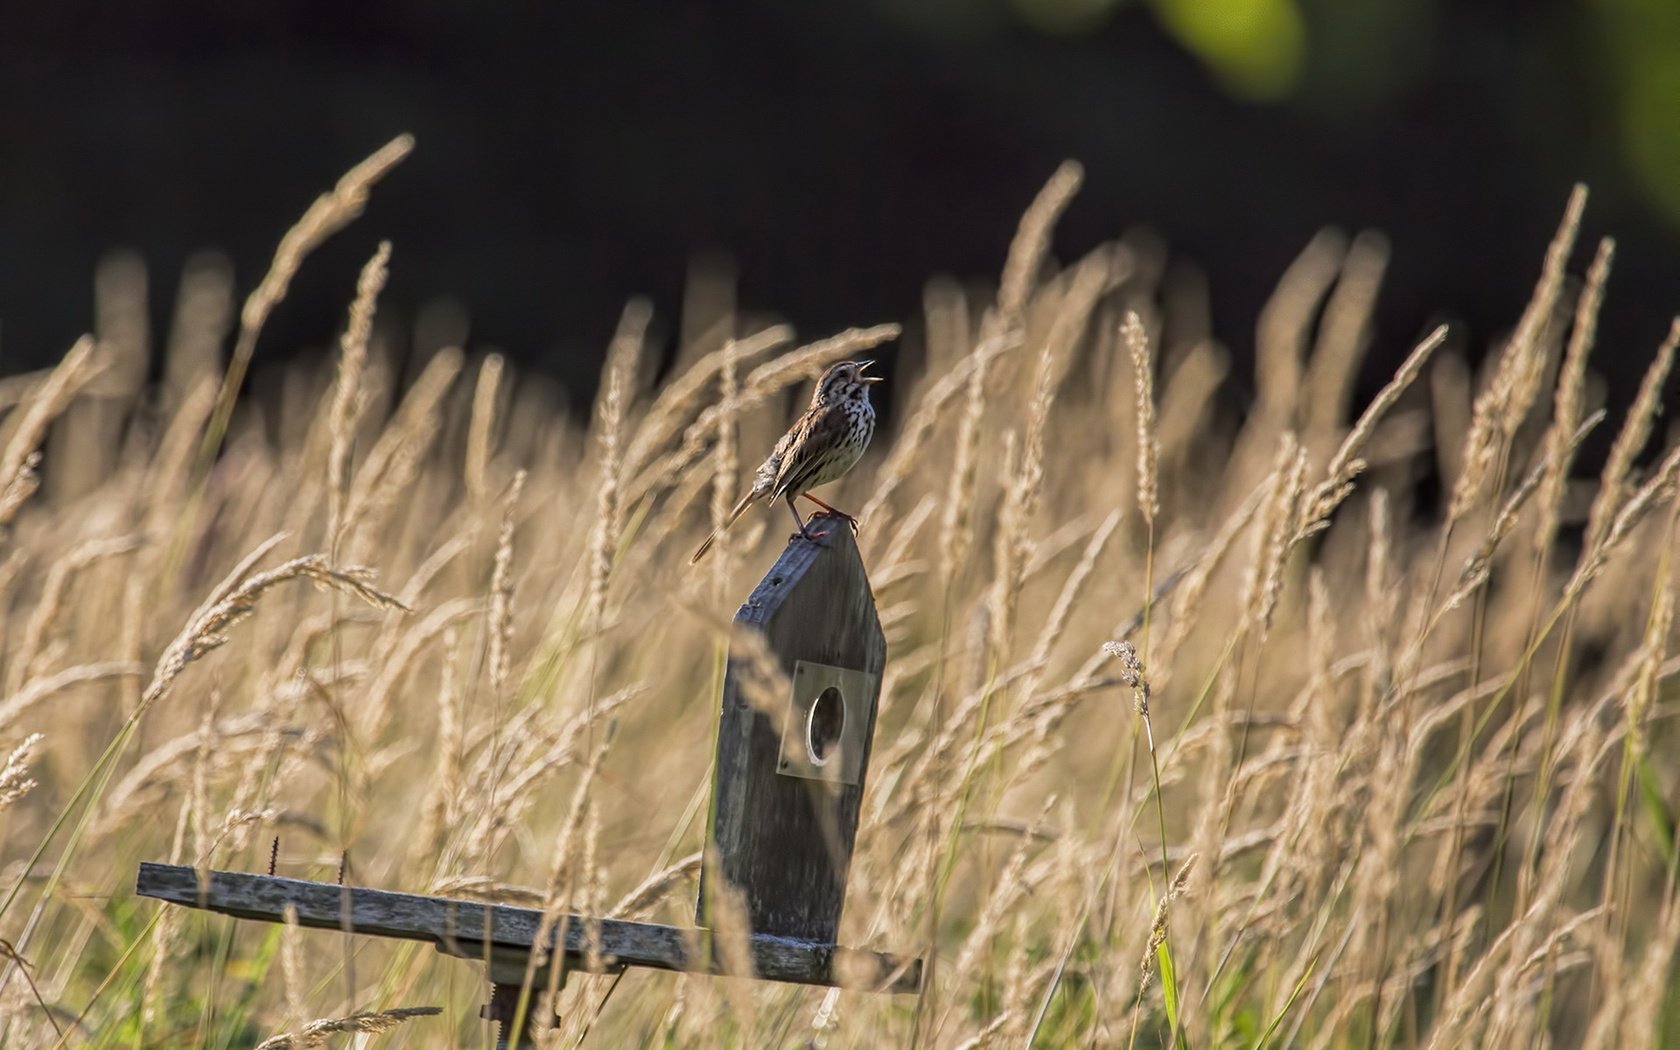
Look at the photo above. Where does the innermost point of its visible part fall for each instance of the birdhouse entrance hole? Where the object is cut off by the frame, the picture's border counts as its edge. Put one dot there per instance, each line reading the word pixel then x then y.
pixel 825 724
pixel 825 734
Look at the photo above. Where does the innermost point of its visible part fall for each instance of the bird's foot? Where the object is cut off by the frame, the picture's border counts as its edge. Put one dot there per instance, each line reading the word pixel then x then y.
pixel 820 539
pixel 850 521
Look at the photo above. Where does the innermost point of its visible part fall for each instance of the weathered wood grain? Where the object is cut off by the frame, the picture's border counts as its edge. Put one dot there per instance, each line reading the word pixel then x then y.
pixel 785 842
pixel 474 930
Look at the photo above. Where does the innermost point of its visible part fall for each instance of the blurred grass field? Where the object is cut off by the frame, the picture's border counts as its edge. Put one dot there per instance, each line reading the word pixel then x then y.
pixel 1387 760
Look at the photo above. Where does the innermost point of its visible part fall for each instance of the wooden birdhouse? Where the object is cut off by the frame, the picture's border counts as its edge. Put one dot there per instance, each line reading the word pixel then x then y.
pixel 793 741
pixel 791 762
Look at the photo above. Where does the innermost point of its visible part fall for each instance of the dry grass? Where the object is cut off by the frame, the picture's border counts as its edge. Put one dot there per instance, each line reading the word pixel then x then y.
pixel 1367 771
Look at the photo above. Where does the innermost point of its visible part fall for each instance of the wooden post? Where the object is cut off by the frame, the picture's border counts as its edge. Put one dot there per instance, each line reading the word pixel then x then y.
pixel 789 779
pixel 505 935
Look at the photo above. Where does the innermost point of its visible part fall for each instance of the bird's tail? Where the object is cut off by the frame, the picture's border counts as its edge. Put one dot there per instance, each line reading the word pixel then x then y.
pixel 740 509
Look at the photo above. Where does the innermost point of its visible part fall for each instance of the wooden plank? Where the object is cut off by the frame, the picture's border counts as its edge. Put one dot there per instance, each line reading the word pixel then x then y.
pixel 471 929
pixel 785 842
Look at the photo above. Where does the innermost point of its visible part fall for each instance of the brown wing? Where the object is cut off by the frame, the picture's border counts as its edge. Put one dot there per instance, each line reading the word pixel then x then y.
pixel 814 437
pixel 764 481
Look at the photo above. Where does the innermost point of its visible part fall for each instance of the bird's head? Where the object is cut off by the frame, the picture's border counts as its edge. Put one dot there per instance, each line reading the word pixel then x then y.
pixel 844 382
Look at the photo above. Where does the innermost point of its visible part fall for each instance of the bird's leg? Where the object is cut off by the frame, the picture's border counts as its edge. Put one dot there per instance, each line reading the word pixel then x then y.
pixel 833 512
pixel 804 533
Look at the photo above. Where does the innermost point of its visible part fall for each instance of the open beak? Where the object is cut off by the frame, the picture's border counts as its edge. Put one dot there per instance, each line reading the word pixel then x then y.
pixel 867 379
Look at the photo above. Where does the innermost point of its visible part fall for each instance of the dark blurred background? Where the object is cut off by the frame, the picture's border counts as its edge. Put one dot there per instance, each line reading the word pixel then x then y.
pixel 841 152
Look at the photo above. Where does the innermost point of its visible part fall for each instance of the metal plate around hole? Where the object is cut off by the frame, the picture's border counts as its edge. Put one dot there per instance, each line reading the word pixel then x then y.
pixel 844 764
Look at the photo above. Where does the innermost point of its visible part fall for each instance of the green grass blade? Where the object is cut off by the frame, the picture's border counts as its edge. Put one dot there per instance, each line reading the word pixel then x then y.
pixel 1289 1004
pixel 1170 993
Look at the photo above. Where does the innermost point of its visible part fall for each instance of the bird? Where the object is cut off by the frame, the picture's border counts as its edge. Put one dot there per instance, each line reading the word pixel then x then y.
pixel 823 443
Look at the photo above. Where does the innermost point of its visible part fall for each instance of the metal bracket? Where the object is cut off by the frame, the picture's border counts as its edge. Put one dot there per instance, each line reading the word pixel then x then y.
pixel 826 732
